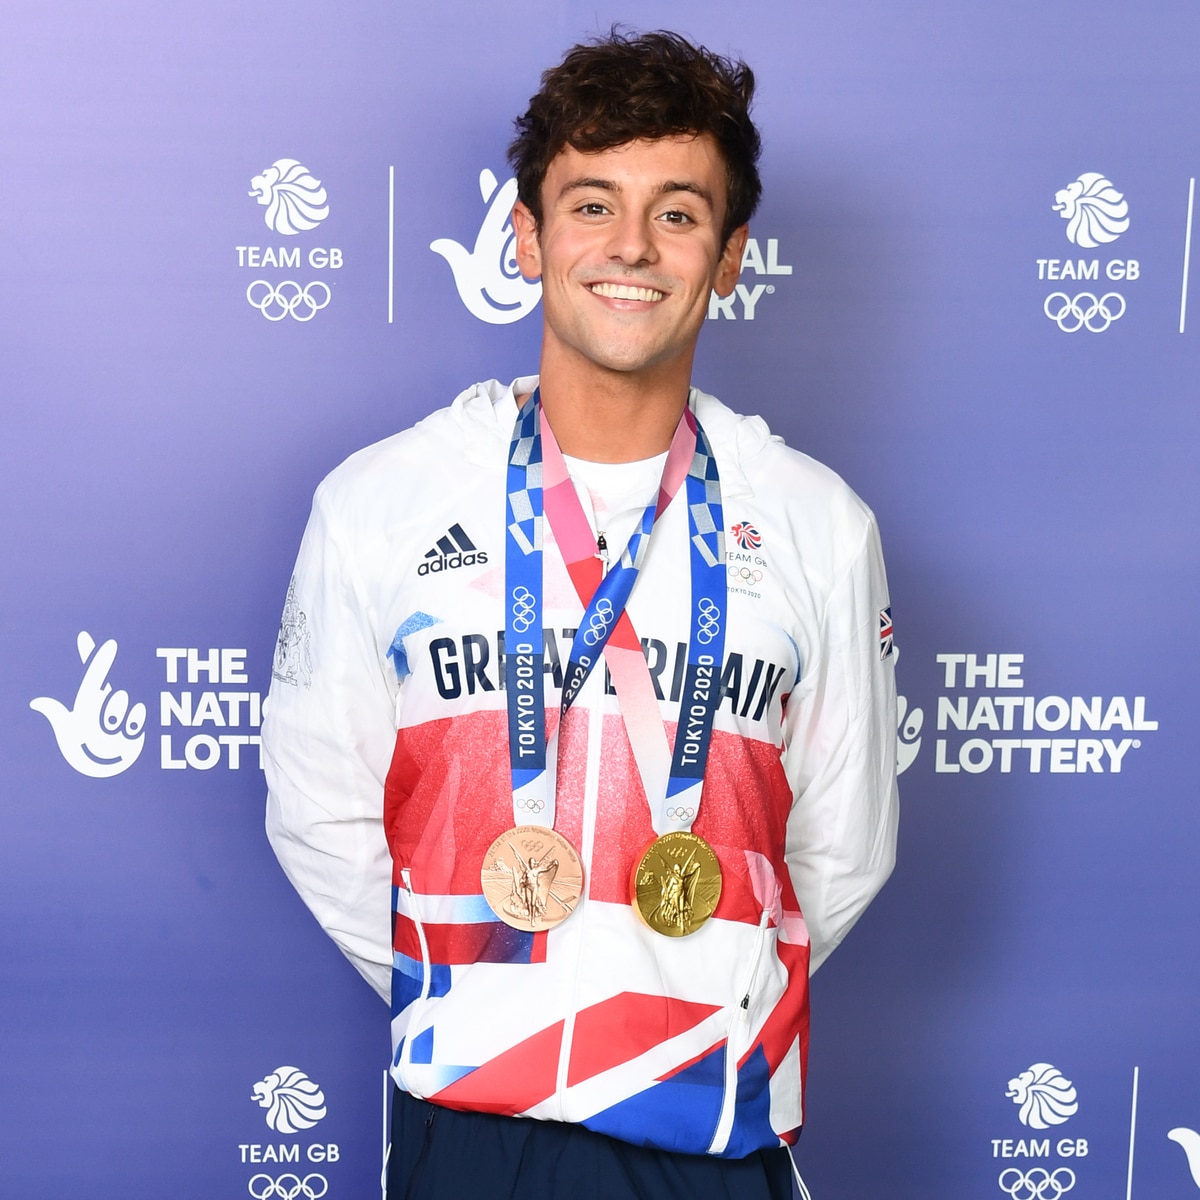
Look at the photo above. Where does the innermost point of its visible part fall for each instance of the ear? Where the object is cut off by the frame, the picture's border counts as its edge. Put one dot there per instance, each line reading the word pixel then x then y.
pixel 529 249
pixel 729 266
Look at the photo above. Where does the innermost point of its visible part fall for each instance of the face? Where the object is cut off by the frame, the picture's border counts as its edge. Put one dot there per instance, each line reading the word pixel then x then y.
pixel 628 250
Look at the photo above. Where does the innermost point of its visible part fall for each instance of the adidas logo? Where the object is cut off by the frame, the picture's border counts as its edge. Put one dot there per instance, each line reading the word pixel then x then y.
pixel 455 549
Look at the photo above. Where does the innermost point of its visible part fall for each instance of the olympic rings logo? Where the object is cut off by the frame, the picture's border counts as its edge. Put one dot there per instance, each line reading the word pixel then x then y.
pixel 289 299
pixel 681 814
pixel 530 804
pixel 1036 1184
pixel 524 609
pixel 1072 315
pixel 287 1187
pixel 745 575
pixel 599 621
pixel 708 619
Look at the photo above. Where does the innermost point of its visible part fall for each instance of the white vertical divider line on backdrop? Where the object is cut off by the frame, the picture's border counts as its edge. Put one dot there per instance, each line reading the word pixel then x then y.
pixel 1133 1102
pixel 392 238
pixel 1187 253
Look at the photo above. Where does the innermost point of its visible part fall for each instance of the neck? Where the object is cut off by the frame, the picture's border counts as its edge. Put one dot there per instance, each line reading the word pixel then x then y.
pixel 610 416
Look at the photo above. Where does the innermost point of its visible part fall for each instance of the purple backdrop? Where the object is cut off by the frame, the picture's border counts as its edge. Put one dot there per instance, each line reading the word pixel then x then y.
pixel 967 293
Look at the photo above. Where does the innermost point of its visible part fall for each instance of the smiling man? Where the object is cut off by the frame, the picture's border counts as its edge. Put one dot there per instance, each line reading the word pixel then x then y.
pixel 581 741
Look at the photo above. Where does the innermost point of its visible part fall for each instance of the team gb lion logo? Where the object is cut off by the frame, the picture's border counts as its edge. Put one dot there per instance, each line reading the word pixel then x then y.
pixel 293 1102
pixel 1095 212
pixel 294 199
pixel 1045 1096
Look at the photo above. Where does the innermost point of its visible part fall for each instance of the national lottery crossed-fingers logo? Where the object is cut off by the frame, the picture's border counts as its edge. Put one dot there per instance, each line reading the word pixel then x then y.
pixel 1189 1142
pixel 101 734
pixel 488 280
pixel 908 734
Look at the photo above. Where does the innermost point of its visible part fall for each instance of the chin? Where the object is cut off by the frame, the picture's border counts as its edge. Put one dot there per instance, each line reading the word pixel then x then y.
pixel 627 358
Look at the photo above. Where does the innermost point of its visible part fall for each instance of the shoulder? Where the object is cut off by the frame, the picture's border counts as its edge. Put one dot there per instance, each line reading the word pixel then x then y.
pixel 447 449
pixel 817 505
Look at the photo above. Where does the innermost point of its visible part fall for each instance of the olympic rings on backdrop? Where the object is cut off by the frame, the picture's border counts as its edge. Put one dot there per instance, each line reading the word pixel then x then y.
pixel 681 814
pixel 289 299
pixel 524 607
pixel 1037 1183
pixel 1073 314
pixel 708 621
pixel 745 575
pixel 530 804
pixel 287 1187
pixel 599 621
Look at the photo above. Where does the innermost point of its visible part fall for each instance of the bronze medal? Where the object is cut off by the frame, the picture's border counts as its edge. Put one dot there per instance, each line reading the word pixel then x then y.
pixel 676 884
pixel 532 878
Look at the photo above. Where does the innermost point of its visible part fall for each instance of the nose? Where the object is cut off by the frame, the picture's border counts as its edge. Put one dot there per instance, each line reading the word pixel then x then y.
pixel 630 240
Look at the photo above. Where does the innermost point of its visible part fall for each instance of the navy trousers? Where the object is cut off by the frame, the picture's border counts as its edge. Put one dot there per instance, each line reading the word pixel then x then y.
pixel 440 1154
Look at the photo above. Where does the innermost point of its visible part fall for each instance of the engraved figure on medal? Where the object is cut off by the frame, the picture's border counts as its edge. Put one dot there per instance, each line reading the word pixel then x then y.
pixel 532 878
pixel 678 897
pixel 676 884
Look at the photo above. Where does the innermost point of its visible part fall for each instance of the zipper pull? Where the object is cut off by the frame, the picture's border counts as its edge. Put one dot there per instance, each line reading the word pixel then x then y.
pixel 602 548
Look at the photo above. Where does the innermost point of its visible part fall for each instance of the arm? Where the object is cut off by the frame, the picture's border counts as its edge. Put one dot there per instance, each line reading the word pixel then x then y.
pixel 840 757
pixel 327 740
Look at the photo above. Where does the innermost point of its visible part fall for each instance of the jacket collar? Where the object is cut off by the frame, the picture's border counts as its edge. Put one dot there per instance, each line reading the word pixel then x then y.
pixel 486 412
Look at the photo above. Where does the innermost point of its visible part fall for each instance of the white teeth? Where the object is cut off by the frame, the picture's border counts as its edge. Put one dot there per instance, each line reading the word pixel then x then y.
pixel 623 291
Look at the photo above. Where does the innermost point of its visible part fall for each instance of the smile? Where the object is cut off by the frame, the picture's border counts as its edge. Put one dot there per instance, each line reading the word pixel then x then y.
pixel 625 291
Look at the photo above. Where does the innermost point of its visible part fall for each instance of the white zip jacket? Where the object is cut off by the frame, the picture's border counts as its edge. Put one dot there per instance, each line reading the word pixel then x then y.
pixel 386 752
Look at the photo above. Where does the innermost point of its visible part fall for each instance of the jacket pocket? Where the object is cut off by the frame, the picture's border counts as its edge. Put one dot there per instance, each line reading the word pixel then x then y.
pixel 737 1037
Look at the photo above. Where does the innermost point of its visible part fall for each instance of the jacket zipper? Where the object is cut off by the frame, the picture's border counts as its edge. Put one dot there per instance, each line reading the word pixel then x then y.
pixel 590 799
pixel 735 1041
pixel 418 1009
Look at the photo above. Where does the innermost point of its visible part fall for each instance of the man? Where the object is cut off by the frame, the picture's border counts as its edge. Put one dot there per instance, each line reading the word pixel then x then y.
pixel 609 886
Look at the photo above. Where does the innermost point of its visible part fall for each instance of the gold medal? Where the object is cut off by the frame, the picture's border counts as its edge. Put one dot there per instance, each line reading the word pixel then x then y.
pixel 676 884
pixel 532 878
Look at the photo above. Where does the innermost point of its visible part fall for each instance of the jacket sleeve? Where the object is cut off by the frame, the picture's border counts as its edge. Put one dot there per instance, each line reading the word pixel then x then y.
pixel 327 740
pixel 840 756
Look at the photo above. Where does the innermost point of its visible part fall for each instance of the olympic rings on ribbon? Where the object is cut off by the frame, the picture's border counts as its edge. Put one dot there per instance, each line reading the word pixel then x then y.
pixel 681 814
pixel 1071 314
pixel 599 621
pixel 745 575
pixel 524 607
pixel 287 1187
pixel 531 804
pixel 1036 1184
pixel 289 299
pixel 708 621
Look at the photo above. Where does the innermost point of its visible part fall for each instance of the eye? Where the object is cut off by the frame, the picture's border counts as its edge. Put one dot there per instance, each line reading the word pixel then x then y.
pixel 593 208
pixel 675 217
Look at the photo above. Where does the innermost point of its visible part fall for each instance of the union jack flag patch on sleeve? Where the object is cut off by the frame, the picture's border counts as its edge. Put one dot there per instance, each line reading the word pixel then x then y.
pixel 885 632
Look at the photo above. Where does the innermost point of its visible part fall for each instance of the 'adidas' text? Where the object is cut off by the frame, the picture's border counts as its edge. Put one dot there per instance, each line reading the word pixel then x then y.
pixel 455 549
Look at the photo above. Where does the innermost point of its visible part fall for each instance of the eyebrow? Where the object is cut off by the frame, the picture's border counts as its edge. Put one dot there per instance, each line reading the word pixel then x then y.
pixel 666 188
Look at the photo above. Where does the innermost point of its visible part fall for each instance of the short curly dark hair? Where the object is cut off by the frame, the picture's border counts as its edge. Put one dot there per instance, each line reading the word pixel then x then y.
pixel 619 89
